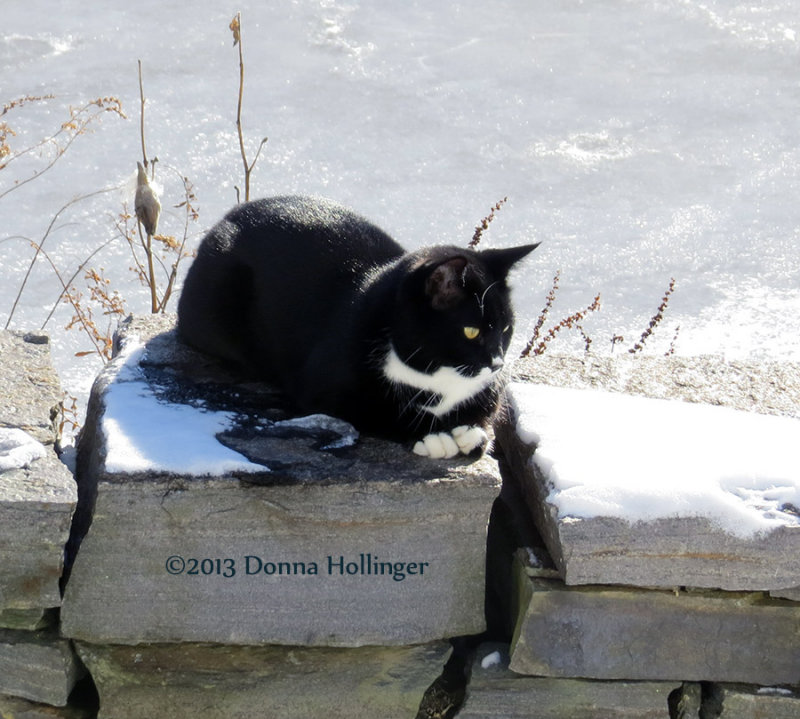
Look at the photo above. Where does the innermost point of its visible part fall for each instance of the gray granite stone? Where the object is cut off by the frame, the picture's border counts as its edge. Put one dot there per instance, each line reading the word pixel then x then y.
pixel 793 594
pixel 38 666
pixel 17 708
pixel 30 391
pixel 36 505
pixel 36 501
pixel 604 632
pixel 688 702
pixel 224 682
pixel 767 387
pixel 676 551
pixel 495 691
pixel 748 702
pixel 296 555
pixel 30 619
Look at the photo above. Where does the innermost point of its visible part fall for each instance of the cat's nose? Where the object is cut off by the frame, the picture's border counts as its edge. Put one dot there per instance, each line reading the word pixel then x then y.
pixel 498 363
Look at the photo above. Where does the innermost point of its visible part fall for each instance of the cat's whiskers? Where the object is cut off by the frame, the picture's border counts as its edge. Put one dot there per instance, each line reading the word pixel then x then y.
pixel 482 298
pixel 448 386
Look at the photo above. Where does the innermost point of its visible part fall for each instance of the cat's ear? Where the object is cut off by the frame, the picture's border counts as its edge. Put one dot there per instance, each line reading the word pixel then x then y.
pixel 501 261
pixel 445 284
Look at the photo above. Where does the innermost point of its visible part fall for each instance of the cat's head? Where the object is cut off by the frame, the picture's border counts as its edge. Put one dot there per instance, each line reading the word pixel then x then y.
pixel 453 309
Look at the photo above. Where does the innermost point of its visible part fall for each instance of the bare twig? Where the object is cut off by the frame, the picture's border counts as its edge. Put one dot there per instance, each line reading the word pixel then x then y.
pixel 141 116
pixel 76 125
pixel 236 28
pixel 82 317
pixel 38 247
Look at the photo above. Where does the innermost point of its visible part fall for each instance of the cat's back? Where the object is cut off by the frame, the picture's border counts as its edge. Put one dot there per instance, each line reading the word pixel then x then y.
pixel 277 274
pixel 316 233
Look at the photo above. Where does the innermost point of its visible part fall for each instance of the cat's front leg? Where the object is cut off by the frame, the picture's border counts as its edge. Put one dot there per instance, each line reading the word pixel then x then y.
pixel 465 439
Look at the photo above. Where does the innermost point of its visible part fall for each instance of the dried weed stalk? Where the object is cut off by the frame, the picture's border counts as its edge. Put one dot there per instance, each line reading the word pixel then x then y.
pixel 548 305
pixel 112 306
pixel 68 410
pixel 236 28
pixel 671 348
pixel 52 147
pixel 538 346
pixel 157 258
pixel 38 248
pixel 484 223
pixel 655 320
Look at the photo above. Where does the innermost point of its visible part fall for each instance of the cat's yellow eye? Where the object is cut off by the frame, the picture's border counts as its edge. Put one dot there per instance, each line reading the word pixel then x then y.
pixel 471 332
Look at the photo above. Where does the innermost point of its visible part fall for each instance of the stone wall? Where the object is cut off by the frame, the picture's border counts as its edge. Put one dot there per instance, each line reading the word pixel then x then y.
pixel 38 668
pixel 669 617
pixel 226 560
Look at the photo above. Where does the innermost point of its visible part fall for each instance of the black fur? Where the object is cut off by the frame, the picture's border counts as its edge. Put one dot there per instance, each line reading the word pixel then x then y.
pixel 306 294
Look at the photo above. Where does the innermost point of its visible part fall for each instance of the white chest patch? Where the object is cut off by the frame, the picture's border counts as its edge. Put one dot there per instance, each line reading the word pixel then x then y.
pixel 447 382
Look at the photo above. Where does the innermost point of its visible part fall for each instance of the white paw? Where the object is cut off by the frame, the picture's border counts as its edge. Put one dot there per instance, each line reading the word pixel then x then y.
pixel 469 438
pixel 444 445
pixel 437 446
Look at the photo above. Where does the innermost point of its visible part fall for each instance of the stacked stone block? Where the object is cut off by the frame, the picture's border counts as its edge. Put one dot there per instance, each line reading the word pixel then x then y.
pixel 313 579
pixel 38 669
pixel 674 609
pixel 316 577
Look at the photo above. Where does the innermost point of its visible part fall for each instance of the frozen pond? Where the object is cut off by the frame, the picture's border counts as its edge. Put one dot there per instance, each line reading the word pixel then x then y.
pixel 638 140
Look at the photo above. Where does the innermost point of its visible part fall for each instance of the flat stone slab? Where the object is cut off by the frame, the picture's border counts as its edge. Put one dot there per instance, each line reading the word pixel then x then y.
pixel 648 492
pixel 635 634
pixel 17 708
pixel 292 540
pixel 36 506
pixel 747 702
pixel 30 391
pixel 38 666
pixel 37 492
pixel 766 387
pixel 31 619
pixel 495 691
pixel 224 682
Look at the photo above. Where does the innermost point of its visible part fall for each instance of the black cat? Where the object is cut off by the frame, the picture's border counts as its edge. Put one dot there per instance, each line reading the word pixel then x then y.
pixel 305 294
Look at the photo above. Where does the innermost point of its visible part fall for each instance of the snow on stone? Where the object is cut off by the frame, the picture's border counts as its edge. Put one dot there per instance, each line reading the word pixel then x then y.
pixel 18 449
pixel 491 660
pixel 640 459
pixel 347 434
pixel 144 434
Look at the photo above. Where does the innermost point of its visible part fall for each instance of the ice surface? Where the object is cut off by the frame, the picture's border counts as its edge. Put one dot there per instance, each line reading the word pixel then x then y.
pixel 146 434
pixel 640 141
pixel 636 458
pixel 18 449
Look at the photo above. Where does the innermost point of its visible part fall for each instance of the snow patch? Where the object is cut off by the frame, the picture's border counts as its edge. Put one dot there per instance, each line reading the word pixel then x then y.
pixel 641 459
pixel 348 435
pixel 774 691
pixel 491 660
pixel 145 434
pixel 18 449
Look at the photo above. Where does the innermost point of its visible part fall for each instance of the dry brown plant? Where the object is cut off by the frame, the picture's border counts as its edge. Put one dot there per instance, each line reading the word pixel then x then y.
pixel 538 343
pixel 655 320
pixel 236 28
pixel 485 222
pixel 53 147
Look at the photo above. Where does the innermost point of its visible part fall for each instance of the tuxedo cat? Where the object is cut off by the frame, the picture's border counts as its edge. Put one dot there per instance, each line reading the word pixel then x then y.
pixel 305 294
